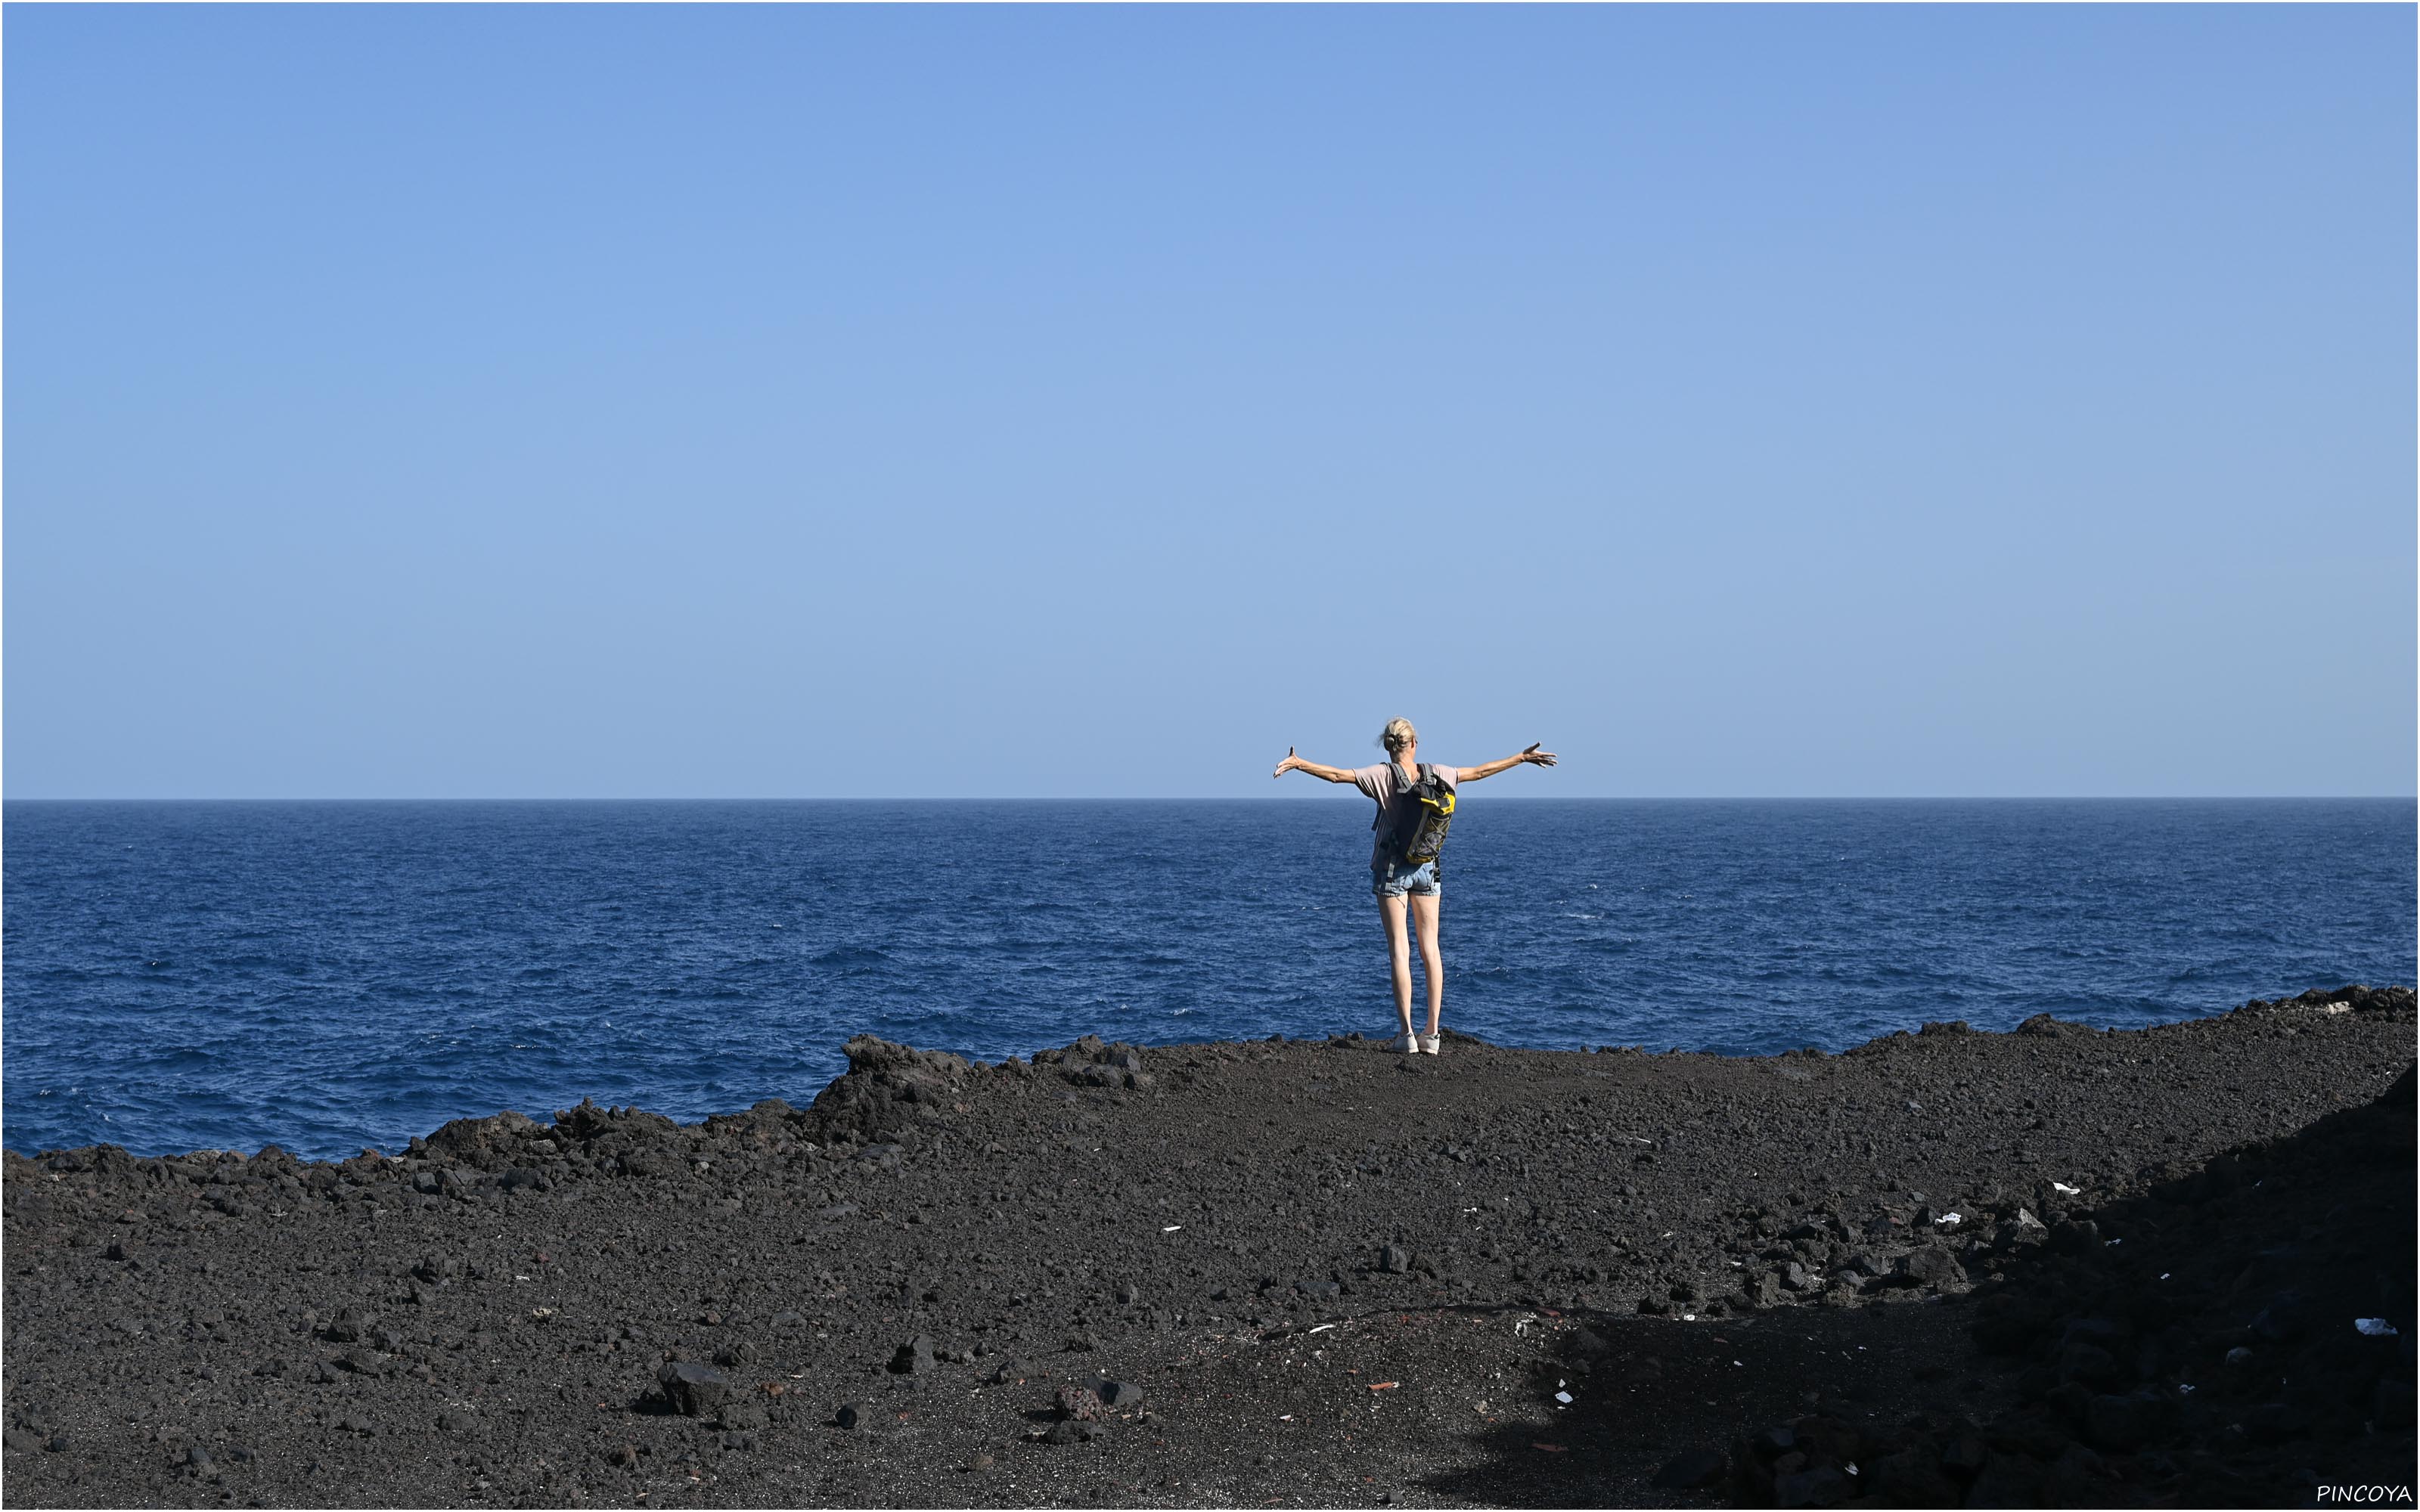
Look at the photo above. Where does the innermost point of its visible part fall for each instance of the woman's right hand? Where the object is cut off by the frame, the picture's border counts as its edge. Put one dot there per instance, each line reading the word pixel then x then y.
pixel 1291 761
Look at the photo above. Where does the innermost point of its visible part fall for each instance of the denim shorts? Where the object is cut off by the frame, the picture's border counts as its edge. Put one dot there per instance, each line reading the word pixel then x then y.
pixel 1388 880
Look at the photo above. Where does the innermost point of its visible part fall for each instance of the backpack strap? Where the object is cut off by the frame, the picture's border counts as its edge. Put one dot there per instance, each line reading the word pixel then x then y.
pixel 1394 775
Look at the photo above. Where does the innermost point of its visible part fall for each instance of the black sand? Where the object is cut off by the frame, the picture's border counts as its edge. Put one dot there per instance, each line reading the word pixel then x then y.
pixel 1324 1273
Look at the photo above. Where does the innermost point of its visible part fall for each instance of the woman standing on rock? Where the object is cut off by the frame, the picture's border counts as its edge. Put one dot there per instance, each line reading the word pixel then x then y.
pixel 1403 858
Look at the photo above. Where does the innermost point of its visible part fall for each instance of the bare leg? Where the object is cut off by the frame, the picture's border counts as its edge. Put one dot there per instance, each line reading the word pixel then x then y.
pixel 1399 951
pixel 1424 918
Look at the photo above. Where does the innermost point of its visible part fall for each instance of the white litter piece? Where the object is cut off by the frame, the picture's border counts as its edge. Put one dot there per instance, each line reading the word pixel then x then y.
pixel 1851 1467
pixel 1949 1220
pixel 1564 1398
pixel 1688 1317
pixel 1285 1417
pixel 1172 1228
pixel 2163 1276
pixel 2113 1242
pixel 2377 1328
pixel 1323 1328
pixel 1741 1363
pixel 520 1278
pixel 2062 1186
pixel 2185 1386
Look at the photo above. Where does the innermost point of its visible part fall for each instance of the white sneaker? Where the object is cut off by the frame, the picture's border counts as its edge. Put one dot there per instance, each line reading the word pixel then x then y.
pixel 1428 1042
pixel 1407 1046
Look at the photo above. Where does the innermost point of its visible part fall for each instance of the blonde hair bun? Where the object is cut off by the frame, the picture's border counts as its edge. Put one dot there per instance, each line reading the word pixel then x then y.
pixel 1398 736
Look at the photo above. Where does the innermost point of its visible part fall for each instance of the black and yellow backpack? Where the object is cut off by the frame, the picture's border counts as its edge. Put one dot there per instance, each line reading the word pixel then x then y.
pixel 1419 831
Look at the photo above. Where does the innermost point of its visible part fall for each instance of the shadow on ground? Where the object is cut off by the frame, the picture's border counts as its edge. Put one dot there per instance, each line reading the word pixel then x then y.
pixel 1665 1387
pixel 2234 1334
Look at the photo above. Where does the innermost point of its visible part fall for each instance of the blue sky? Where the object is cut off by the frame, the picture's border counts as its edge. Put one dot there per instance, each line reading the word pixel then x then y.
pixel 746 401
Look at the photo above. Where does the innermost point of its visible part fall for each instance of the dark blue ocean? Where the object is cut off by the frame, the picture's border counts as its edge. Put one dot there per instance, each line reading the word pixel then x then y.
pixel 327 975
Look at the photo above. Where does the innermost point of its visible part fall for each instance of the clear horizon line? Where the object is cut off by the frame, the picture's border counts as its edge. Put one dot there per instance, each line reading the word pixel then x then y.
pixel 1274 798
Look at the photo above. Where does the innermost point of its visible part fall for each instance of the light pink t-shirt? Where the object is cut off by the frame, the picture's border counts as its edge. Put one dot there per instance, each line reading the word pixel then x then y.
pixel 1379 782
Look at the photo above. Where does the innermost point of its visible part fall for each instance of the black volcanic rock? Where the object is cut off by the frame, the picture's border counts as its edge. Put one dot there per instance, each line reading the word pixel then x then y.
pixel 1542 1200
pixel 693 1389
pixel 1077 1402
pixel 1929 1267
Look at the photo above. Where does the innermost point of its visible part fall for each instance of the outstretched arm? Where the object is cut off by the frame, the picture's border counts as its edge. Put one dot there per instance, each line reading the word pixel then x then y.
pixel 1532 756
pixel 1325 774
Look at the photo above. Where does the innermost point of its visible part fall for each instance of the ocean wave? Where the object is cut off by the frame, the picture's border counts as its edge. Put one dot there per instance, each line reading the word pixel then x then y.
pixel 292 1000
pixel 849 955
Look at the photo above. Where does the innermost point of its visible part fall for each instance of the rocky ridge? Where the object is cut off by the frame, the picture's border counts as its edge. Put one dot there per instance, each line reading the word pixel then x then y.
pixel 938 1263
